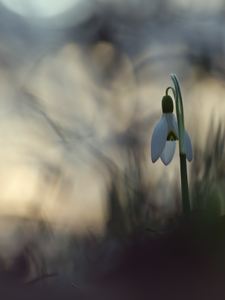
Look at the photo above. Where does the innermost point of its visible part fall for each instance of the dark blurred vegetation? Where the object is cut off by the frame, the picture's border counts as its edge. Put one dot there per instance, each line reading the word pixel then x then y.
pixel 79 99
pixel 207 173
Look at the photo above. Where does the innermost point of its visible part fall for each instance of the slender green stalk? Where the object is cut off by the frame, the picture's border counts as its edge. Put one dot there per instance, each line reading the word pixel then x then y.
pixel 181 128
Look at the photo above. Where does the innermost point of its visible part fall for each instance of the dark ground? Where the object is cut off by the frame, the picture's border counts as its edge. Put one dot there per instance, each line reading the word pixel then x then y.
pixel 185 261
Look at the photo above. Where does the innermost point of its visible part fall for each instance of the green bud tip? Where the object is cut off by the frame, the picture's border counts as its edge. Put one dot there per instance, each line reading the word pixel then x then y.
pixel 167 104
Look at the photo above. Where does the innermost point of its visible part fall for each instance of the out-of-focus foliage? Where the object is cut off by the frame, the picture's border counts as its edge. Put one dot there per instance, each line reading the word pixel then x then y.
pixel 208 173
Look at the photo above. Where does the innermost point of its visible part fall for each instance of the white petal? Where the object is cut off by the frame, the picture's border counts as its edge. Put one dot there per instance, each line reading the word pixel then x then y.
pixel 168 152
pixel 159 137
pixel 172 123
pixel 188 146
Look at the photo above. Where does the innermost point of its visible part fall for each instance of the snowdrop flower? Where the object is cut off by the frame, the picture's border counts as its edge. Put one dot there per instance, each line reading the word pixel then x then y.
pixel 166 133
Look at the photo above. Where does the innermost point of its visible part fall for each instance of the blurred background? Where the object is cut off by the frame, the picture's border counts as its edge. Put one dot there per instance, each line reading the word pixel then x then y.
pixel 81 83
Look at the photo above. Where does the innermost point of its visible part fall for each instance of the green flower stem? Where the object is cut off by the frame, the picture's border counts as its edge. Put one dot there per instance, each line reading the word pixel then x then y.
pixel 184 185
pixel 181 128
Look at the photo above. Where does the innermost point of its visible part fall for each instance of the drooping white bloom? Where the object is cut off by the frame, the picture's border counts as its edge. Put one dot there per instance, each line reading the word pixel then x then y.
pixel 163 143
